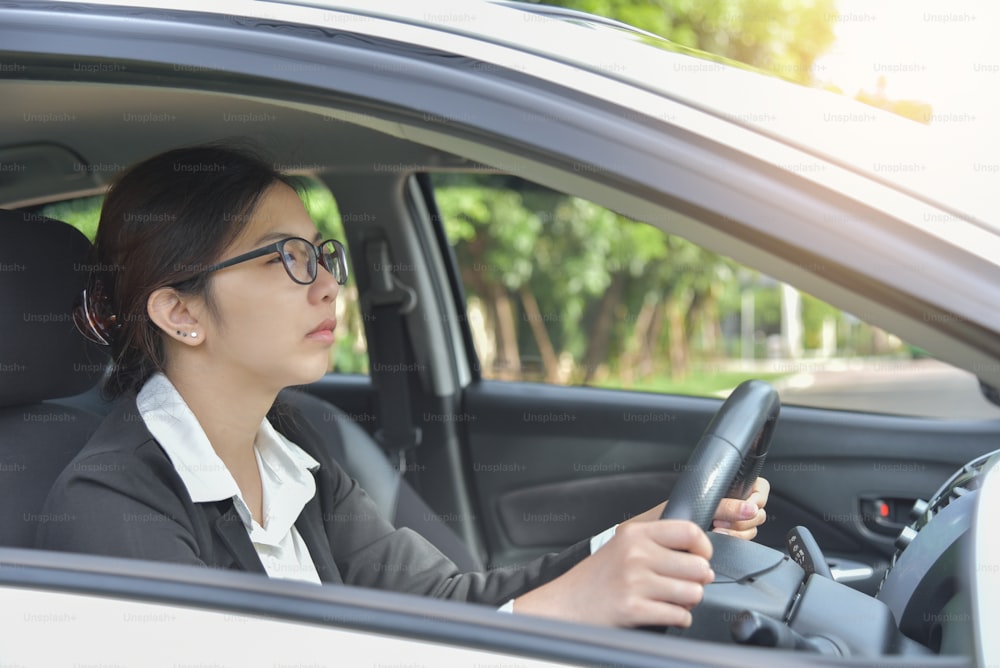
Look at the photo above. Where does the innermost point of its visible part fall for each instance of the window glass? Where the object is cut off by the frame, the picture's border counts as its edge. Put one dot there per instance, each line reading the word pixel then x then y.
pixel 563 291
pixel 349 353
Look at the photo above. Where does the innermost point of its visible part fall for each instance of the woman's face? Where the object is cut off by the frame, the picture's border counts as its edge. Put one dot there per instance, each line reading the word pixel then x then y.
pixel 267 328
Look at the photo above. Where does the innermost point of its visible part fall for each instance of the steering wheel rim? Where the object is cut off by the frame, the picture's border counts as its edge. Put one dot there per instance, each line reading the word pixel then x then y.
pixel 728 457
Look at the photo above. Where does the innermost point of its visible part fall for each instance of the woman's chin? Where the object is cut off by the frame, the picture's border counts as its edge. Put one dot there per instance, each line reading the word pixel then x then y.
pixel 303 370
pixel 312 372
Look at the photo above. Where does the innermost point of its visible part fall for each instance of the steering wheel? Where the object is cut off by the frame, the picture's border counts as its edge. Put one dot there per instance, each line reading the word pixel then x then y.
pixel 729 456
pixel 725 463
pixel 760 596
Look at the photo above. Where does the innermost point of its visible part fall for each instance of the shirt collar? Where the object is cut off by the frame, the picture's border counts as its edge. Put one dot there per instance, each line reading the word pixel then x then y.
pixel 285 472
pixel 285 467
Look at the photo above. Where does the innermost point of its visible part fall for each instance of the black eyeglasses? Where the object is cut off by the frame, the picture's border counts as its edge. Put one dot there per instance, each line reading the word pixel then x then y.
pixel 301 259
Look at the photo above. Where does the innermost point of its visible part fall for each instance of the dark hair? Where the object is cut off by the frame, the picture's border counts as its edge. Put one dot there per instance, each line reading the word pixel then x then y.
pixel 164 220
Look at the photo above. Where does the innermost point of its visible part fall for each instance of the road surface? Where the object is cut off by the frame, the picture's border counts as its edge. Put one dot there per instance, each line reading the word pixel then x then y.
pixel 909 387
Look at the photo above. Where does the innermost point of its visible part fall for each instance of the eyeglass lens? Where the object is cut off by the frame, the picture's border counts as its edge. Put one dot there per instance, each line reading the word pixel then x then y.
pixel 300 258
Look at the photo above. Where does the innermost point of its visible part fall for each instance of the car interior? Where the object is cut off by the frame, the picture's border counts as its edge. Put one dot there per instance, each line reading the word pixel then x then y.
pixel 66 135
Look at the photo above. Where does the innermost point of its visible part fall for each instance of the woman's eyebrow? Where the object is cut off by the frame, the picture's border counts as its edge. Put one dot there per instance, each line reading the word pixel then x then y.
pixel 277 236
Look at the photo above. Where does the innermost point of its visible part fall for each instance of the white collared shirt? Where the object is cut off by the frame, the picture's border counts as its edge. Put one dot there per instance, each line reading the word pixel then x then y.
pixel 285 473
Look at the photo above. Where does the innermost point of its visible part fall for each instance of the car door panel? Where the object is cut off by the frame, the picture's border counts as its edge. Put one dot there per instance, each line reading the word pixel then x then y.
pixel 552 465
pixel 578 508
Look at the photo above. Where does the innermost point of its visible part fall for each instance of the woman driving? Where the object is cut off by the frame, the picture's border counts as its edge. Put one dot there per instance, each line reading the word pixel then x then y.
pixel 218 293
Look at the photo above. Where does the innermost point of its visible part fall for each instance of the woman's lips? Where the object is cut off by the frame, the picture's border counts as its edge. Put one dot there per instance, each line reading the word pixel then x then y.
pixel 324 331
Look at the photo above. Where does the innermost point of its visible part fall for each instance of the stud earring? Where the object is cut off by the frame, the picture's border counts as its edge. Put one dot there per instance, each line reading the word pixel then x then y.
pixel 180 333
pixel 194 335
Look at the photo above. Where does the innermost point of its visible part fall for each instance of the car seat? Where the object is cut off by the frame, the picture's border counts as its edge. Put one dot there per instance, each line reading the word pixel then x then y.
pixel 42 357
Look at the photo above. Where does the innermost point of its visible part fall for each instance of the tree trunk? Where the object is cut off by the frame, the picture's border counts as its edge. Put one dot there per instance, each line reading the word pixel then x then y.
pixel 541 333
pixel 508 359
pixel 600 339
pixel 638 343
pixel 677 309
pixel 479 288
pixel 711 328
pixel 704 329
pixel 651 346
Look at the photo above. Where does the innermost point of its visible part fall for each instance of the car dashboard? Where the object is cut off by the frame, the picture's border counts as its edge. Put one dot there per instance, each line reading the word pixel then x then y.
pixel 926 604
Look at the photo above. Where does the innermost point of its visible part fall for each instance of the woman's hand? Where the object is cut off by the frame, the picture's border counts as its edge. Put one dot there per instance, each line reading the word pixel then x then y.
pixel 649 573
pixel 652 572
pixel 741 518
pixel 735 517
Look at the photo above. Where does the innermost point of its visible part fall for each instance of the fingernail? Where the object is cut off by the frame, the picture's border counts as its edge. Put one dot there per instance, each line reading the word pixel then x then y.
pixel 748 509
pixel 722 524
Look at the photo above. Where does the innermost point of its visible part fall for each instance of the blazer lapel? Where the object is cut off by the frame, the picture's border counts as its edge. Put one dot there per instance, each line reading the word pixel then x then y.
pixel 233 536
pixel 310 527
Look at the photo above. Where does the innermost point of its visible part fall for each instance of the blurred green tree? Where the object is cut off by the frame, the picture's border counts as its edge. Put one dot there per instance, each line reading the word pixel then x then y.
pixel 783 37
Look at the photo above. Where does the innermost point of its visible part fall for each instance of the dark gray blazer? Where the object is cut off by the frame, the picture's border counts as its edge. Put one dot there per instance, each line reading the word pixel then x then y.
pixel 122 497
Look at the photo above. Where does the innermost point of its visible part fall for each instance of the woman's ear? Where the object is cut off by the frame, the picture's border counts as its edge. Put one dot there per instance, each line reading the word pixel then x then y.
pixel 175 315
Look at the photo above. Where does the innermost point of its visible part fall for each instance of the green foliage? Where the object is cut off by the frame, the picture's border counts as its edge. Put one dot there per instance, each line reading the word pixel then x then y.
pixel 767 309
pixel 83 213
pixel 621 304
pixel 783 37
pixel 814 312
pixel 500 230
pixel 703 382
pixel 322 208
pixel 588 271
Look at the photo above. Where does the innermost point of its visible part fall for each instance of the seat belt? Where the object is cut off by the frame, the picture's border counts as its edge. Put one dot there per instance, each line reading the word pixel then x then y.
pixel 389 301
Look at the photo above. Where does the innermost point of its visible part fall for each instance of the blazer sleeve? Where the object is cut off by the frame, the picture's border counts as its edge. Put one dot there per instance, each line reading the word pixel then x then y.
pixel 370 552
pixel 108 503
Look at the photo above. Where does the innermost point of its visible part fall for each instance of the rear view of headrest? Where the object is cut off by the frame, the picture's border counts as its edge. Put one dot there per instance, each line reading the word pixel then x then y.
pixel 43 267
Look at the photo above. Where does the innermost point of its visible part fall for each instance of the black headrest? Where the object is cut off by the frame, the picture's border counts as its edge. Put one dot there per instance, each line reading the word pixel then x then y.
pixel 43 267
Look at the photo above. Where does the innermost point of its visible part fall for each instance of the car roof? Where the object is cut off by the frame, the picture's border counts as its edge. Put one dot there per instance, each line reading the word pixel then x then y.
pixel 927 163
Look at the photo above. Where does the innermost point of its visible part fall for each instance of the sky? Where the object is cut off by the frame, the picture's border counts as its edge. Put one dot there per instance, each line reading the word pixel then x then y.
pixel 945 52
